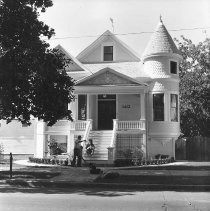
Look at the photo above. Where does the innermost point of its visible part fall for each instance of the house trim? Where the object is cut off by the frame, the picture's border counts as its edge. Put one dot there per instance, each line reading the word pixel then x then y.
pixel 134 81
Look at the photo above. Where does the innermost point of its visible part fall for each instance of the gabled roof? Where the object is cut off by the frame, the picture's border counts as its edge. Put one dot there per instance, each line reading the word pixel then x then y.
pixel 160 42
pixel 100 40
pixel 108 76
pixel 75 65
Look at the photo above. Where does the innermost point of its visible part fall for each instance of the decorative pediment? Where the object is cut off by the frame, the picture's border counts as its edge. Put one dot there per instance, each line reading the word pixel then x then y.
pixel 107 77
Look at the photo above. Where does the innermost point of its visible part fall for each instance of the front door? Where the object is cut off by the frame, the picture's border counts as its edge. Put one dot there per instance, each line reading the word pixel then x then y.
pixel 106 112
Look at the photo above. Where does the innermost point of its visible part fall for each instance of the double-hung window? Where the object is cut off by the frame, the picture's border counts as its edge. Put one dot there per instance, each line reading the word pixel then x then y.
pixel 108 53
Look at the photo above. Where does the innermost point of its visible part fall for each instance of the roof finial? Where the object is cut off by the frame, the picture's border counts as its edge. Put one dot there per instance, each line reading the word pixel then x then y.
pixel 112 21
pixel 161 21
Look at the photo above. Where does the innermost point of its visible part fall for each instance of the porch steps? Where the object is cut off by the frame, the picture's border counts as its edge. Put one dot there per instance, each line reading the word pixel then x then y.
pixel 101 140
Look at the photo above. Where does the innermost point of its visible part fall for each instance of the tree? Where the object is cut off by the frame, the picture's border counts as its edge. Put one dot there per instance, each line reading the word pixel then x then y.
pixel 195 87
pixel 33 78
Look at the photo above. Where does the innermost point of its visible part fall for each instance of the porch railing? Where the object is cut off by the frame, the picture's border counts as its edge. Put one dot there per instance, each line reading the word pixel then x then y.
pixel 78 125
pixel 112 148
pixel 87 129
pixel 84 126
pixel 114 132
pixel 131 125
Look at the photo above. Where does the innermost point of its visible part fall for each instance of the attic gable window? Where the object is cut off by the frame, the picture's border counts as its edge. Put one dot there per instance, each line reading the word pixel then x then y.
pixel 173 67
pixel 108 53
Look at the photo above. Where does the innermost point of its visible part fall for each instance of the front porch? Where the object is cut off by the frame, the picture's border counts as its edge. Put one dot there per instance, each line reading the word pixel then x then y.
pixel 115 121
pixel 109 144
pixel 109 108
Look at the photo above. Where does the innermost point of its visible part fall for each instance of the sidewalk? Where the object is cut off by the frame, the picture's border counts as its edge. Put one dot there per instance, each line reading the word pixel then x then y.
pixel 129 177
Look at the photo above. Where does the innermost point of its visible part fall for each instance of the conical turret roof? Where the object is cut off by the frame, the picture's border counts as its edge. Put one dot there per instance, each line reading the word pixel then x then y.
pixel 160 42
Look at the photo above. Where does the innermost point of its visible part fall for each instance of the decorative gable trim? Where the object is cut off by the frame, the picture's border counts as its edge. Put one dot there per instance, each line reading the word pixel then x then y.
pixel 99 42
pixel 108 76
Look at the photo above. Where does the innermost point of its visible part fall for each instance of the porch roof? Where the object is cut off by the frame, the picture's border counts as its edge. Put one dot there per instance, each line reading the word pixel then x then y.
pixel 109 77
pixel 131 69
pixel 111 89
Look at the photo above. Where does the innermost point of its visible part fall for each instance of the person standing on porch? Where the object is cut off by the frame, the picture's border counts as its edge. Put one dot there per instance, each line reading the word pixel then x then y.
pixel 77 151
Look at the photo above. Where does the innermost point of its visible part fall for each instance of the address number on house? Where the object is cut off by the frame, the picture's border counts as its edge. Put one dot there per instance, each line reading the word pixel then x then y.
pixel 126 106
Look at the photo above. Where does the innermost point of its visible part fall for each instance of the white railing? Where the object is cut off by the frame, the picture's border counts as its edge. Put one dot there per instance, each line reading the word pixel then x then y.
pixel 78 125
pixel 112 148
pixel 131 125
pixel 114 132
pixel 87 129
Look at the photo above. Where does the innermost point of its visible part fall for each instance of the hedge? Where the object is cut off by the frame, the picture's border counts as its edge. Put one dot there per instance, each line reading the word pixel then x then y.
pixel 133 162
pixel 52 161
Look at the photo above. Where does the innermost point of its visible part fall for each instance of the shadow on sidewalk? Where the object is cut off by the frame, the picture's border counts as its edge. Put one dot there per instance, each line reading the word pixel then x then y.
pixel 103 190
pixel 91 191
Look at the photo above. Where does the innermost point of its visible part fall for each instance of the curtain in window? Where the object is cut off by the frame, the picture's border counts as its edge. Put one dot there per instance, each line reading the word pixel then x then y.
pixel 174 108
pixel 82 107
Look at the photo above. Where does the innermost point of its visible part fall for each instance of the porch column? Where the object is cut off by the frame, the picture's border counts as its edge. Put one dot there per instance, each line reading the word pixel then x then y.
pixel 144 147
pixel 117 106
pixel 76 104
pixel 142 103
pixel 69 142
pixel 88 106
pixel 40 139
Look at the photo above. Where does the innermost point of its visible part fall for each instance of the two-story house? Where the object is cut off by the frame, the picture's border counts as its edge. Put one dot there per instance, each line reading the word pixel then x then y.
pixel 121 101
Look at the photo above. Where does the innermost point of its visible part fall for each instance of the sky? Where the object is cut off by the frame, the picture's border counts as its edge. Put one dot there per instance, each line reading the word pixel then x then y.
pixel 78 23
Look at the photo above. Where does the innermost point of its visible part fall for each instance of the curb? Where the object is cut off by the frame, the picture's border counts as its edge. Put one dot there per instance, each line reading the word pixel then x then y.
pixel 69 184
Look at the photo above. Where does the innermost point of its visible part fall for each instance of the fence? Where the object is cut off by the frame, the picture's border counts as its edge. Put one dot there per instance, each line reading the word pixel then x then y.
pixel 193 148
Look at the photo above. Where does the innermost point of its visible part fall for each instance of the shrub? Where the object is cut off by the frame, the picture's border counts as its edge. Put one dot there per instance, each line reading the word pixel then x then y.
pixel 54 147
pixel 123 162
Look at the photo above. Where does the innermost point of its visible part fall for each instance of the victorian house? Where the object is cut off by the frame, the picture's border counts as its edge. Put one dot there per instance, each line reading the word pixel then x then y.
pixel 122 102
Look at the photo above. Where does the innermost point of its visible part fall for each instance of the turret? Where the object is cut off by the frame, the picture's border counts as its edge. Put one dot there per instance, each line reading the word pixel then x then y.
pixel 161 61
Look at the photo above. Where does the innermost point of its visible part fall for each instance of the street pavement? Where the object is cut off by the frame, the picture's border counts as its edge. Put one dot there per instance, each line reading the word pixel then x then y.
pixel 101 199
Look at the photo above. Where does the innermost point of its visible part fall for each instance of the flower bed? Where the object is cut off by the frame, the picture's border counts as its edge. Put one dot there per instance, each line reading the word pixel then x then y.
pixel 52 161
pixel 137 162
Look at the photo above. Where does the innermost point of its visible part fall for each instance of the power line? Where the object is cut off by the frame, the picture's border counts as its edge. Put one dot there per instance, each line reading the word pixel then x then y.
pixel 130 33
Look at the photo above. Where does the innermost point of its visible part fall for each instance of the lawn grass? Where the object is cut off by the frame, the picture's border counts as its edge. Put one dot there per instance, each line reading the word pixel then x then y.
pixel 160 179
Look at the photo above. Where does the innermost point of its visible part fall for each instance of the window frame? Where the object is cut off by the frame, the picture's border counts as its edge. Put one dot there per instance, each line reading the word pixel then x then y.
pixel 170 67
pixel 108 53
pixel 79 115
pixel 102 50
pixel 176 108
pixel 153 108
